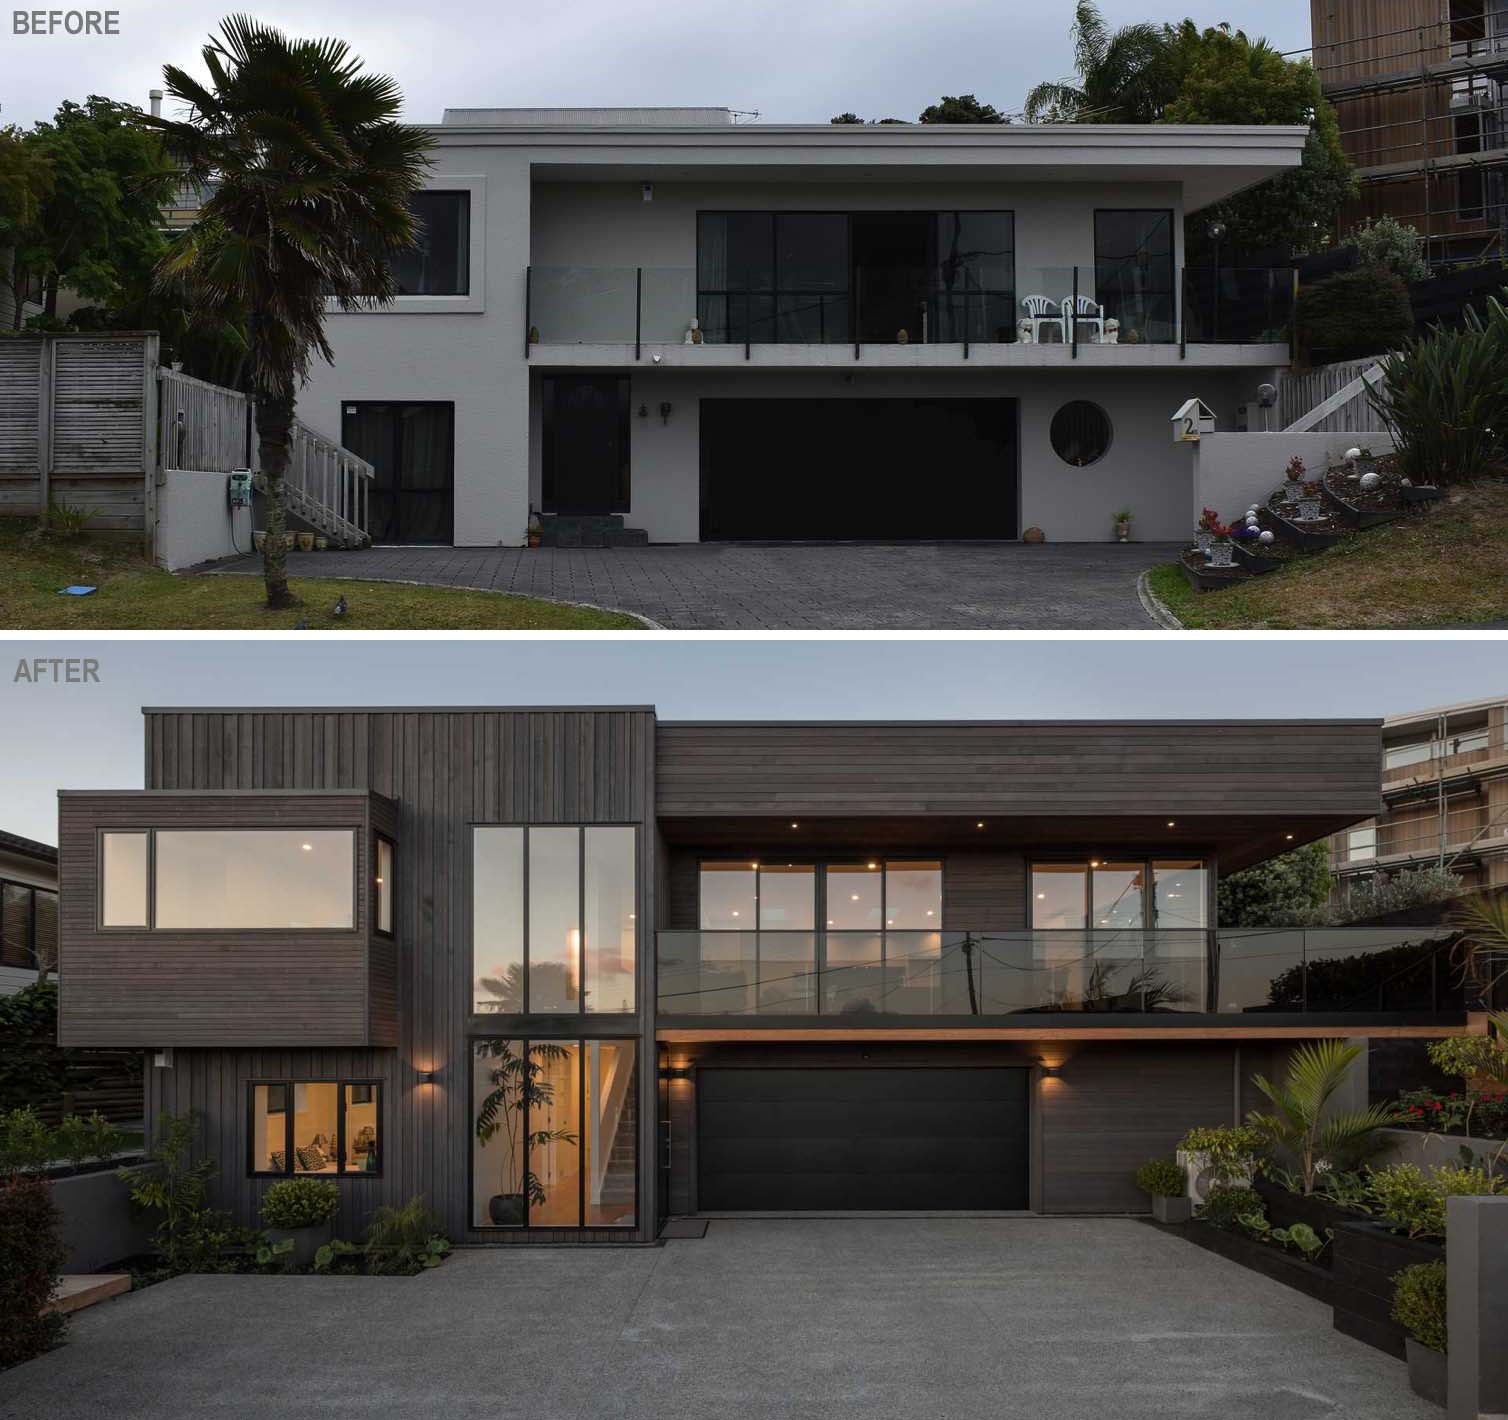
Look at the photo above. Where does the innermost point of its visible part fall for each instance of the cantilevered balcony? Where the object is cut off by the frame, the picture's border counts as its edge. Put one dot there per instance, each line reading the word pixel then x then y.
pixel 1173 976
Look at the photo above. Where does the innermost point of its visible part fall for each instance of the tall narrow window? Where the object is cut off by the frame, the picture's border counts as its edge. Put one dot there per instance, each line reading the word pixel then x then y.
pixel 439 263
pixel 611 924
pixel 554 919
pixel 1059 896
pixel 382 888
pixel 1133 260
pixel 123 898
pixel 497 918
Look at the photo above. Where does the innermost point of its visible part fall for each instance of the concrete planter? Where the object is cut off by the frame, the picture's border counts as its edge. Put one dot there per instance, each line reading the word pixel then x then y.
pixel 306 1241
pixel 1427 1372
pixel 1171 1210
pixel 100 1227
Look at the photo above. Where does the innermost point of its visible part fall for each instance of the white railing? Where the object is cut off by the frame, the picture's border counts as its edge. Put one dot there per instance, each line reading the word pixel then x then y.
pixel 203 427
pixel 328 474
pixel 1331 399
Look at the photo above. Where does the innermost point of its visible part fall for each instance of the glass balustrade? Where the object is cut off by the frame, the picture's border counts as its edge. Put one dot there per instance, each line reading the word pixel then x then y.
pixel 1231 305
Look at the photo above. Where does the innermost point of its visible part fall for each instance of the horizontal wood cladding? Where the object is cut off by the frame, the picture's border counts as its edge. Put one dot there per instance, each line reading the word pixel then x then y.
pixel 142 987
pixel 1027 769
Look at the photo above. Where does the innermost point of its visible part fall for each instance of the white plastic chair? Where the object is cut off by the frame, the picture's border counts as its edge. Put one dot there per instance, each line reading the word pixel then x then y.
pixel 1040 311
pixel 1086 311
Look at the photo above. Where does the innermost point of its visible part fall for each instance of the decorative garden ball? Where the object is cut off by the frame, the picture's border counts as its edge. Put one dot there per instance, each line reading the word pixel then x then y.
pixel 1265 538
pixel 1370 480
pixel 1352 455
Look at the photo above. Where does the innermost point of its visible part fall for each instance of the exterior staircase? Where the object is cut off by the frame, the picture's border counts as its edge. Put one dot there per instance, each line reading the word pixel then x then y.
pixel 593 530
pixel 309 512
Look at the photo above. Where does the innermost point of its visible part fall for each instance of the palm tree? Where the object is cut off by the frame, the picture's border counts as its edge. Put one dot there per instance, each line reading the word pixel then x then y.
pixel 1299 1124
pixel 1123 76
pixel 1481 954
pixel 310 176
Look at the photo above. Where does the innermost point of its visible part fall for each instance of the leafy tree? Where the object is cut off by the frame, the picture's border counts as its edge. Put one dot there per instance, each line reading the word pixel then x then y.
pixel 312 178
pixel 1121 76
pixel 25 183
pixel 962 108
pixel 854 118
pixel 845 117
pixel 1389 243
pixel 1265 895
pixel 1352 314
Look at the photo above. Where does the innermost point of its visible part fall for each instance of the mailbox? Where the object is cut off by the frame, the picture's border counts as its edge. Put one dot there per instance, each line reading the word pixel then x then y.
pixel 1193 418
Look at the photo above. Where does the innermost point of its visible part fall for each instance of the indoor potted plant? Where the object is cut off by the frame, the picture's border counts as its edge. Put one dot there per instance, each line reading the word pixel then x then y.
pixel 1419 1306
pixel 298 1214
pixel 1166 1182
pixel 516 1084
pixel 1123 525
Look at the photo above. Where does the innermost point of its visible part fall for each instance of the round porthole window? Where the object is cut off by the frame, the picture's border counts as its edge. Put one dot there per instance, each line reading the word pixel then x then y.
pixel 1080 433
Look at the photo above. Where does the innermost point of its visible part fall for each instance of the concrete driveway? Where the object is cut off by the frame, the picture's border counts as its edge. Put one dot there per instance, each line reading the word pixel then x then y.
pixel 792 587
pixel 886 1319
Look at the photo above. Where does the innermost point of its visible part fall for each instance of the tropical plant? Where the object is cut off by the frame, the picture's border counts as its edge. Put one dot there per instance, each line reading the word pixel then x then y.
pixel 1121 76
pixel 87 1141
pixel 300 1203
pixel 1419 1303
pixel 1481 954
pixel 1346 1188
pixel 309 175
pixel 518 1083
pixel 1162 1178
pixel 1444 398
pixel 1302 1122
pixel 404 1240
pixel 190 1236
pixel 1299 1236
pixel 1387 242
pixel 32 1254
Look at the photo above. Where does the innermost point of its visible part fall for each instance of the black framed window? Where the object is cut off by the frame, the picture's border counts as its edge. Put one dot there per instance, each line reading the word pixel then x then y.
pixel 1105 894
pixel 1133 264
pixel 554 918
pixel 314 1127
pixel 773 276
pixel 554 1139
pixel 229 879
pixel 411 447
pixel 384 869
pixel 28 925
pixel 973 277
pixel 440 262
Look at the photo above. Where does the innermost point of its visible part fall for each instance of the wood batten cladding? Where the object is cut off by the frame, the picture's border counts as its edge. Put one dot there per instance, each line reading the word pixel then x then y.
pixel 445 770
pixel 139 986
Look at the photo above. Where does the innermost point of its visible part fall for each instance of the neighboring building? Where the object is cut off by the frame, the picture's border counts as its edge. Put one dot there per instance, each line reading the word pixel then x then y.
pixel 28 910
pixel 883 349
pixel 1445 799
pixel 799 966
pixel 1420 88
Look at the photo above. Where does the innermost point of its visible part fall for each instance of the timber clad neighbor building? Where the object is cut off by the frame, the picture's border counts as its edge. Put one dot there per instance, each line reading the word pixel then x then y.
pixel 566 972
pixel 660 324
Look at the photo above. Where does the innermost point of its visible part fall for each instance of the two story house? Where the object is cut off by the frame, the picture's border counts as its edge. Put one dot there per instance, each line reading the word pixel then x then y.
pixel 661 324
pixel 567 972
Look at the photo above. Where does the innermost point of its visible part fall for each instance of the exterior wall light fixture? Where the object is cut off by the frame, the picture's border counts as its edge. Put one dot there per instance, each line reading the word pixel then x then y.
pixel 1049 1070
pixel 675 1072
pixel 665 411
pixel 426 1077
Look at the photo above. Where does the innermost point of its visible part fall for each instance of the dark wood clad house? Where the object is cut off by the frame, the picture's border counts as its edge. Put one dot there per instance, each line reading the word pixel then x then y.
pixel 567 971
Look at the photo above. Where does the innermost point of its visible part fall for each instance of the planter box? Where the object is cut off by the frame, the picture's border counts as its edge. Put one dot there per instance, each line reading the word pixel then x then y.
pixel 1354 517
pixel 1427 1372
pixel 1171 1210
pixel 100 1227
pixel 1291 532
pixel 1285 1208
pixel 1211 578
pixel 1367 1258
pixel 1267 1258
pixel 1418 1146
pixel 1255 561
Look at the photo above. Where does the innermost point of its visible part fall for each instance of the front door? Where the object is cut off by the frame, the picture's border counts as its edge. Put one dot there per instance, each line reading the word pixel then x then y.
pixel 411 447
pixel 585 459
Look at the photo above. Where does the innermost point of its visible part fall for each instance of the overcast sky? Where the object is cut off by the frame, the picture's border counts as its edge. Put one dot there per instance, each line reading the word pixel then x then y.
pixel 90 736
pixel 793 61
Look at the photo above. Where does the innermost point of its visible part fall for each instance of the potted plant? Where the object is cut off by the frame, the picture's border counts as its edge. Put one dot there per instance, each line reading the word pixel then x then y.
pixel 1294 476
pixel 306 542
pixel 1166 1182
pixel 1204 536
pixel 1221 554
pixel 298 1214
pixel 1309 502
pixel 1123 525
pixel 321 544
pixel 1419 1307
pixel 535 528
pixel 517 1083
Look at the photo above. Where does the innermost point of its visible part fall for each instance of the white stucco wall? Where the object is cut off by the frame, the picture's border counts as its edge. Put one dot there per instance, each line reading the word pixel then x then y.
pixel 1233 471
pixel 194 521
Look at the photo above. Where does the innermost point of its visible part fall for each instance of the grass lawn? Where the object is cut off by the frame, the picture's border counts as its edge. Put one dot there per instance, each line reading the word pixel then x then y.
pixel 1447 567
pixel 134 596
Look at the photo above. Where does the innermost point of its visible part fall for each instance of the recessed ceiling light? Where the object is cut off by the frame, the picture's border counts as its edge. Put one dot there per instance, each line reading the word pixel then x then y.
pixel 735 912
pixel 1171 823
pixel 1041 897
pixel 855 897
pixel 1288 836
pixel 980 824
pixel 873 866
pixel 795 825
pixel 307 847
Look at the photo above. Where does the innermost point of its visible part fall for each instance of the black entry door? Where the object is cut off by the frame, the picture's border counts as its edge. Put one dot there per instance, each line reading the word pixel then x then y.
pixel 831 469
pixel 874 1138
pixel 411 448
pixel 585 458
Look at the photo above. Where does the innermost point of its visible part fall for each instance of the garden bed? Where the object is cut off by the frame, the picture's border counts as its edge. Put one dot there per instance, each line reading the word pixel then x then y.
pixel 1367 1258
pixel 1311 535
pixel 1284 1208
pixel 1271 1261
pixel 1205 578
pixel 1257 558
pixel 1359 507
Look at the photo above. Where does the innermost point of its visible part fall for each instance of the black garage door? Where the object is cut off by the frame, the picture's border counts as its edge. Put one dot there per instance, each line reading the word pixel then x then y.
pixel 824 469
pixel 865 1138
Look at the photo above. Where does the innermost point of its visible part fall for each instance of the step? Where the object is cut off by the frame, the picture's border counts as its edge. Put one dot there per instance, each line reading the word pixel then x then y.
pixel 626 537
pixel 75 1291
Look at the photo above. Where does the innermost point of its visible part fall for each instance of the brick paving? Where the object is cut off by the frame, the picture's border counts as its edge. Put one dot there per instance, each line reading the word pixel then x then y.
pixel 791 587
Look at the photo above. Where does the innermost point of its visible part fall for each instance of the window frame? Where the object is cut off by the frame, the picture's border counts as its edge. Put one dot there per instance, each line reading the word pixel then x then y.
pixel 1148 864
pixel 470 979
pixel 151 831
pixel 30 945
pixel 1173 293
pixel 391 883
pixel 530 1038
pixel 341 1085
pixel 464 194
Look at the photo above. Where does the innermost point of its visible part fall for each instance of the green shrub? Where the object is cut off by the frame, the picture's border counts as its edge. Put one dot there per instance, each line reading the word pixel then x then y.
pixel 404 1240
pixel 1228 1206
pixel 26 1144
pixel 66 521
pixel 87 1141
pixel 191 1236
pixel 1353 314
pixel 1162 1178
pixel 1414 1202
pixel 31 1254
pixel 1389 243
pixel 1230 1152
pixel 300 1203
pixel 1419 1303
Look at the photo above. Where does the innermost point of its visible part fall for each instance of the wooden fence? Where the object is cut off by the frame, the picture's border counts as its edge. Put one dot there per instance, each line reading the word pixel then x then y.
pixel 1298 394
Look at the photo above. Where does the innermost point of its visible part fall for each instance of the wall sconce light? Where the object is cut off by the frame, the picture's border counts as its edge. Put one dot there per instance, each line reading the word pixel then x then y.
pixel 643 411
pixel 675 1072
pixel 163 1059
pixel 1049 1070
pixel 665 411
pixel 426 1077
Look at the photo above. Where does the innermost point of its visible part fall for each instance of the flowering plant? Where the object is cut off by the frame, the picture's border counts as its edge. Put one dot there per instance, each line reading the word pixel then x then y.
pixel 1295 469
pixel 1209 520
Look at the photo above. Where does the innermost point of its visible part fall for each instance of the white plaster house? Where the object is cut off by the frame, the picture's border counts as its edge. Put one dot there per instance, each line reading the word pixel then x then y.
pixel 715 330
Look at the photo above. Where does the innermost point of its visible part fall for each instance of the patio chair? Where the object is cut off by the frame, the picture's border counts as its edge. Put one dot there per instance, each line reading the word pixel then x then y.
pixel 1083 310
pixel 1041 311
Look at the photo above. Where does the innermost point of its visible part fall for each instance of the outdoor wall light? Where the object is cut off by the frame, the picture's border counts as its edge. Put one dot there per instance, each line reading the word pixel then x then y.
pixel 665 411
pixel 426 1077
pixel 643 411
pixel 1049 1070
pixel 675 1072
pixel 1171 823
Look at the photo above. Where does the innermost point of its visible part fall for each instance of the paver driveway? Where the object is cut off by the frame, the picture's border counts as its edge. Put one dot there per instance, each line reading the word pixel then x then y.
pixel 744 586
pixel 885 1319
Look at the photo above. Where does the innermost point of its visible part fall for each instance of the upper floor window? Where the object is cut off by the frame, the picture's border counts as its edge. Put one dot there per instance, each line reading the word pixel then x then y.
pixel 28 926
pixel 1133 265
pixel 869 895
pixel 1104 894
pixel 230 879
pixel 1361 844
pixel 554 919
pixel 440 265
pixel 382 887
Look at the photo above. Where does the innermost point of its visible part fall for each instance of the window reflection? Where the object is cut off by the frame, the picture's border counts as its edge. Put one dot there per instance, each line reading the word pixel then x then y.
pixel 1180 893
pixel 554 918
pixel 853 896
pixel 1059 895
pixel 497 918
pixel 383 883
pixel 255 879
pixel 611 926
pixel 913 895
pixel 124 893
pixel 1118 895
pixel 787 897
pixel 728 896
